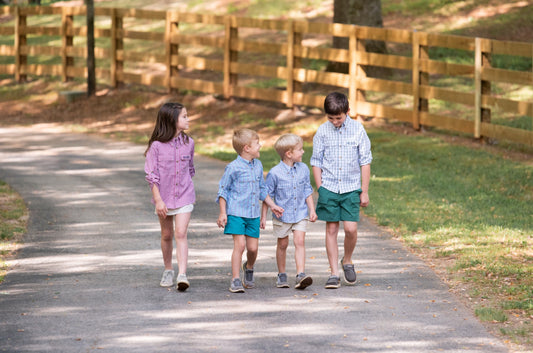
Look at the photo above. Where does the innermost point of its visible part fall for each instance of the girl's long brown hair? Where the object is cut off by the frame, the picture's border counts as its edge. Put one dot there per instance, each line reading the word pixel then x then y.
pixel 165 124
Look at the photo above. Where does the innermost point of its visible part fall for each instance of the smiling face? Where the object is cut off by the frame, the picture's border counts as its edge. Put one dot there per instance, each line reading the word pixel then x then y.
pixel 183 121
pixel 296 154
pixel 253 149
pixel 337 120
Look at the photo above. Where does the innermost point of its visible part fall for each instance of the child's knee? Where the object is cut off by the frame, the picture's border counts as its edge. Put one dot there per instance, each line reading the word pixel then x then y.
pixel 283 243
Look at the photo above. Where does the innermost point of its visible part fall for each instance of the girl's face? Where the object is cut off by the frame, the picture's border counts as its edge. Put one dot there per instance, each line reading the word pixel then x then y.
pixel 183 121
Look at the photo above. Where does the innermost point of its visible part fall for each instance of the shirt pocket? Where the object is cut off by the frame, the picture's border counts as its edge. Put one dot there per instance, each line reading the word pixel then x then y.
pixel 184 163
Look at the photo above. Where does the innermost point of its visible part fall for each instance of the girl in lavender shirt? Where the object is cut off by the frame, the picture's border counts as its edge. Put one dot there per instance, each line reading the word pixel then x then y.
pixel 169 170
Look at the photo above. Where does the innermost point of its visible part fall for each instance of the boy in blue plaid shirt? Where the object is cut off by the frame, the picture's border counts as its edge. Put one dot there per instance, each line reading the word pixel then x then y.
pixel 341 167
pixel 240 189
pixel 289 185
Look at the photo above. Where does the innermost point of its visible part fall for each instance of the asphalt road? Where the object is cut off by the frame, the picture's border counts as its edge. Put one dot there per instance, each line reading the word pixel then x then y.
pixel 87 277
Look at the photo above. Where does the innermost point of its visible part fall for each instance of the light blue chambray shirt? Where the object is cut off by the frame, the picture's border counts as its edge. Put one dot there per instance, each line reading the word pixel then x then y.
pixel 242 186
pixel 340 153
pixel 289 187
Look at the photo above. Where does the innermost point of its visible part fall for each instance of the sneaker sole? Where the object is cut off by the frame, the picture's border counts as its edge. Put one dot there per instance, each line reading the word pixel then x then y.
pixel 304 283
pixel 332 286
pixel 284 285
pixel 248 286
pixel 182 286
pixel 166 285
pixel 236 290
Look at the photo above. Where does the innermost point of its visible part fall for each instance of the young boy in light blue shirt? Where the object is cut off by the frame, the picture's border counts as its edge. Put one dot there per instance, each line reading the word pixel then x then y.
pixel 240 189
pixel 289 185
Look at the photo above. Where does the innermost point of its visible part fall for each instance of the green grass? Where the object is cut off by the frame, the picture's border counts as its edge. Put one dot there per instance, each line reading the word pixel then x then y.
pixel 13 215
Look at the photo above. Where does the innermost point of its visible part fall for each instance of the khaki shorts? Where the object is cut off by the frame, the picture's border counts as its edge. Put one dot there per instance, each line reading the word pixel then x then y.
pixel 282 230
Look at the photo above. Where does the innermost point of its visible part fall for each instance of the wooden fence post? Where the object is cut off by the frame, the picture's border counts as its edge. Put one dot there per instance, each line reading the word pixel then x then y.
pixel 171 49
pixel 67 24
pixel 419 78
pixel 356 71
pixel 117 65
pixel 482 59
pixel 290 64
pixel 231 34
pixel 20 41
pixel 352 89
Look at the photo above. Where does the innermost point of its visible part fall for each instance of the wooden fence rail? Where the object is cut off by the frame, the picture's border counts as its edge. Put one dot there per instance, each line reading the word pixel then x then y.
pixel 282 61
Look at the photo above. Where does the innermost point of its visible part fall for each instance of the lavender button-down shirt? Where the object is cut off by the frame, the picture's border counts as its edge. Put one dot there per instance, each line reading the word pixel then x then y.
pixel 170 166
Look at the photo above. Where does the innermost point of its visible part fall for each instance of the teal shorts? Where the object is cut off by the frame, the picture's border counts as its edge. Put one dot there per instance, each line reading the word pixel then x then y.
pixel 241 225
pixel 334 207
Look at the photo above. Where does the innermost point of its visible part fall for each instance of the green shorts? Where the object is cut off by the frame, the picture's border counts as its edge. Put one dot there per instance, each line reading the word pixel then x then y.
pixel 333 207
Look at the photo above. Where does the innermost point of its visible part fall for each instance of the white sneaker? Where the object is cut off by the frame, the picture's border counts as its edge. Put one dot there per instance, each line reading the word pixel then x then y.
pixel 168 279
pixel 182 283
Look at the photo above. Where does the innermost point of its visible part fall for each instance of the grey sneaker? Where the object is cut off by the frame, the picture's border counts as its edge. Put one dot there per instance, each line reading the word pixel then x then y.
pixel 236 286
pixel 333 282
pixel 168 278
pixel 303 281
pixel 349 273
pixel 182 283
pixel 248 276
pixel 281 281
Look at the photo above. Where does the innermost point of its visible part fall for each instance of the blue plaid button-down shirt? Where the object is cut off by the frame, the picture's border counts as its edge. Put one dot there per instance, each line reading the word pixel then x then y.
pixel 289 187
pixel 242 186
pixel 340 153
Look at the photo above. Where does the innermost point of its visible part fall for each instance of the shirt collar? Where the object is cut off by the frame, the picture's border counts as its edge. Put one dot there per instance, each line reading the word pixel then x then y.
pixel 286 167
pixel 242 160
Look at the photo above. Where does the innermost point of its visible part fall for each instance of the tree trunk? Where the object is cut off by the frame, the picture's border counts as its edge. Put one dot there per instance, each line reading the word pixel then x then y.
pixel 361 13
pixel 91 75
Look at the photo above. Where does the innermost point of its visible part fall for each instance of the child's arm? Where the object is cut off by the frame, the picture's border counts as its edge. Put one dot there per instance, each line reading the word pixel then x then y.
pixel 264 211
pixel 222 216
pixel 317 174
pixel 278 211
pixel 160 207
pixel 311 206
pixel 365 182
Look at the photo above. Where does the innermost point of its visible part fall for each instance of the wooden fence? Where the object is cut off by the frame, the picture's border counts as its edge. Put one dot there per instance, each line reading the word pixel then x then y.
pixel 282 61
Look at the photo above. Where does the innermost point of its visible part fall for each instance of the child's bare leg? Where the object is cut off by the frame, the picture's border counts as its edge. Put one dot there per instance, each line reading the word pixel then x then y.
pixel 182 247
pixel 167 230
pixel 281 254
pixel 332 230
pixel 350 240
pixel 299 250
pixel 252 244
pixel 239 244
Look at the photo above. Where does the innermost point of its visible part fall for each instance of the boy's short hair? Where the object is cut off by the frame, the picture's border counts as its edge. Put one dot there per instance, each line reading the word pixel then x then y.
pixel 243 137
pixel 286 143
pixel 336 103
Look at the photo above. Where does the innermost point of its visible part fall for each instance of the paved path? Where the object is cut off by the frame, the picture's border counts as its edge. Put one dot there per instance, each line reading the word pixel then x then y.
pixel 88 276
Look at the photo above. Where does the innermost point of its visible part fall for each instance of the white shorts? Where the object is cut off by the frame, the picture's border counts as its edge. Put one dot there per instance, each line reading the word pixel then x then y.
pixel 282 230
pixel 175 211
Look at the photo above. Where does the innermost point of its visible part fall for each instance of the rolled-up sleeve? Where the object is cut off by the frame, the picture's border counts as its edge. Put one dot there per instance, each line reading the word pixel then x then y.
pixel 150 166
pixel 365 152
pixel 225 184
pixel 318 150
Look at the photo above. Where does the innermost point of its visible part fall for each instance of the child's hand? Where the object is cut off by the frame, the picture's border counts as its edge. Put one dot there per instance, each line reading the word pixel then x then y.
pixel 161 209
pixel 278 211
pixel 312 216
pixel 364 199
pixel 262 225
pixel 222 220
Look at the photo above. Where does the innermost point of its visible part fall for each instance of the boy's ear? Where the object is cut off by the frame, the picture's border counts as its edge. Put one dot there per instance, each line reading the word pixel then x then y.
pixel 348 111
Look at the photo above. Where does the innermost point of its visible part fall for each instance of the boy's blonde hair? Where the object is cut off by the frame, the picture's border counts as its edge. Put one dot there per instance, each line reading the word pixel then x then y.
pixel 243 137
pixel 286 143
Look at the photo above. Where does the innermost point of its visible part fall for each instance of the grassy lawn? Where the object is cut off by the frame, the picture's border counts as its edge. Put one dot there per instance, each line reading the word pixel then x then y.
pixel 13 219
